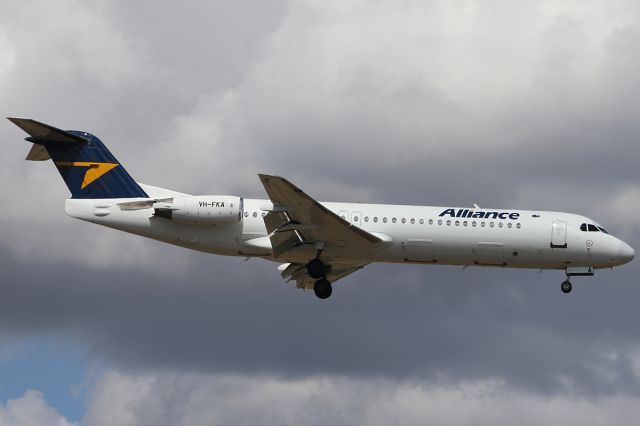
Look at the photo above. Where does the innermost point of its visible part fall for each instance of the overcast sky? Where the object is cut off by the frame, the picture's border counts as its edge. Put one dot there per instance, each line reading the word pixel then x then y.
pixel 526 104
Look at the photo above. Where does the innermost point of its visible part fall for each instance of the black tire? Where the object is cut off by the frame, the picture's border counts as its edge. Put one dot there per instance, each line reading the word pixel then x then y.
pixel 316 269
pixel 566 287
pixel 322 288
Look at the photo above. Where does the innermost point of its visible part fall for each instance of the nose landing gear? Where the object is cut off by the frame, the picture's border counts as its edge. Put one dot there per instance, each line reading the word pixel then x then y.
pixel 575 272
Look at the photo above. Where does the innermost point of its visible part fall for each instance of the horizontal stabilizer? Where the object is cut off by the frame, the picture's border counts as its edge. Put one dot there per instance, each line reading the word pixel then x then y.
pixel 43 132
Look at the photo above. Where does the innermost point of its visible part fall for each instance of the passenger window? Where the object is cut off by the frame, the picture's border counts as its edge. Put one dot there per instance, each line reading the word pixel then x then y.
pixel 448 223
pixel 583 227
pixel 457 223
pixel 592 228
pixel 412 221
pixel 366 218
pixel 255 214
pixel 509 225
pixel 464 223
pixel 474 223
pixel 421 221
pixel 439 221
pixel 518 225
pixel 403 220
pixel 375 218
pixel 491 224
pixel 384 219
pixel 393 220
pixel 500 225
pixel 246 214
pixel 482 224
pixel 355 218
pixel 430 221
pixel 264 214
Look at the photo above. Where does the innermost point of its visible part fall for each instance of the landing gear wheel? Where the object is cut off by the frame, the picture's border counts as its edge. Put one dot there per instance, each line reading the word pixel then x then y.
pixel 566 287
pixel 316 268
pixel 322 288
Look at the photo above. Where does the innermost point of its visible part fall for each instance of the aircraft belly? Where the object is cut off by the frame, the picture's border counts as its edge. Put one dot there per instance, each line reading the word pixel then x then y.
pixel 218 239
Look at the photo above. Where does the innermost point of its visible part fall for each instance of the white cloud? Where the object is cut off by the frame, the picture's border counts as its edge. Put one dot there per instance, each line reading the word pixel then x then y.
pixel 31 409
pixel 128 399
pixel 187 399
pixel 333 90
pixel 613 206
pixel 341 97
pixel 362 87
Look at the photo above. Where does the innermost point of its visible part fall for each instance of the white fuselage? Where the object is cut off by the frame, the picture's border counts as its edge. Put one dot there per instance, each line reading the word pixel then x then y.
pixel 409 234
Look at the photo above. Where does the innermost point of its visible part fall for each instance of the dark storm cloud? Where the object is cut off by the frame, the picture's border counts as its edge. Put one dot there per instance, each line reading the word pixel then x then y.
pixel 379 102
pixel 398 323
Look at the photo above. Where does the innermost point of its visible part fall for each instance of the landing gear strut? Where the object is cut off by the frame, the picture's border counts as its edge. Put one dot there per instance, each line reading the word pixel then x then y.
pixel 566 286
pixel 322 288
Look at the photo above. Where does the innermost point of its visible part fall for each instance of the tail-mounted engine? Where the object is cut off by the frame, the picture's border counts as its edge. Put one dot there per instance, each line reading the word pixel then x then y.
pixel 201 209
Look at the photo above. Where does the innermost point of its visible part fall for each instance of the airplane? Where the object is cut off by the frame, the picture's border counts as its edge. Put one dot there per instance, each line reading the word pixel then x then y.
pixel 319 243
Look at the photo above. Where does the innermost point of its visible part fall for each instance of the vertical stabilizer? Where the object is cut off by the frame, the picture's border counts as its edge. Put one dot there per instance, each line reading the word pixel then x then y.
pixel 86 165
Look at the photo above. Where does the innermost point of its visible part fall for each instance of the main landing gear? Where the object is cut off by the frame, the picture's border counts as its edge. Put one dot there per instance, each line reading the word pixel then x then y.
pixel 316 268
pixel 322 288
pixel 318 271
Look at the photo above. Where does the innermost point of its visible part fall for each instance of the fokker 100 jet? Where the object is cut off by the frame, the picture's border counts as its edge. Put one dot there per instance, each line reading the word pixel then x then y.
pixel 318 243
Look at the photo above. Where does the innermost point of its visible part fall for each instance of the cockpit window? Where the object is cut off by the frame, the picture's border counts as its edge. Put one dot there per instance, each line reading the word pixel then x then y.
pixel 592 228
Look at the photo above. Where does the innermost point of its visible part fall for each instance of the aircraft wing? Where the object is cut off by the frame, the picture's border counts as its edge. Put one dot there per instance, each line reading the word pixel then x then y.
pixel 296 218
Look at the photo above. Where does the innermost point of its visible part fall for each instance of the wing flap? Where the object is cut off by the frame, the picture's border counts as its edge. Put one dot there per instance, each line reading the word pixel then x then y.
pixel 298 272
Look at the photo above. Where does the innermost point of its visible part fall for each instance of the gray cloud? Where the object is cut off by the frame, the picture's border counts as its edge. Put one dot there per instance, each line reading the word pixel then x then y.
pixel 522 105
pixel 401 323
pixel 223 399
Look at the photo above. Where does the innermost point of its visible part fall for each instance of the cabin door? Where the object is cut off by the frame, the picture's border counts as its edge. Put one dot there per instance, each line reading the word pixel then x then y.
pixel 559 234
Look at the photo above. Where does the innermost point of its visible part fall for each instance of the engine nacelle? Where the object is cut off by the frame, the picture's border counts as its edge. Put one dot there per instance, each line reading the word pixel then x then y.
pixel 202 209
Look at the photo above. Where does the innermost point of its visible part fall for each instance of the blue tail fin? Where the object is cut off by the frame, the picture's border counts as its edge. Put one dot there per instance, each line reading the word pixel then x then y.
pixel 86 165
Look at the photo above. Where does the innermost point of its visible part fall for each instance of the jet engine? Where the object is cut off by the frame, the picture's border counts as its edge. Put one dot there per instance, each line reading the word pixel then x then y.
pixel 201 209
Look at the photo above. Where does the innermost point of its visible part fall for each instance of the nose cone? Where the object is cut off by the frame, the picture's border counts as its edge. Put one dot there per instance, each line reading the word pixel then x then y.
pixel 625 252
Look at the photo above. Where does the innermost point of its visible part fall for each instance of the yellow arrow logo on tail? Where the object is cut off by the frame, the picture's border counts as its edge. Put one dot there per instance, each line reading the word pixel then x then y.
pixel 94 172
